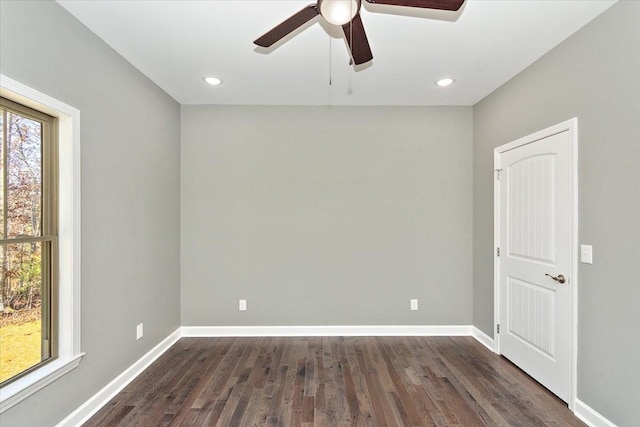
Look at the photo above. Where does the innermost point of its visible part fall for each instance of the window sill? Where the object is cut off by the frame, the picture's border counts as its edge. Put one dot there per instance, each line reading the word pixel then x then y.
pixel 15 392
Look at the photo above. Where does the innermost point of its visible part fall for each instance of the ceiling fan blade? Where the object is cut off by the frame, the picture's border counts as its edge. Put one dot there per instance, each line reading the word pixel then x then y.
pixel 289 25
pixel 357 41
pixel 424 4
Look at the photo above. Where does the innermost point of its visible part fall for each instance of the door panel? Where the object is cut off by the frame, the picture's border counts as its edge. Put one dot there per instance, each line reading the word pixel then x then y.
pixel 532 224
pixel 531 315
pixel 535 232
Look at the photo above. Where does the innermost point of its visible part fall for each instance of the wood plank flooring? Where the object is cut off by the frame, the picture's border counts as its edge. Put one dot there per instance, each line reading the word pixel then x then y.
pixel 333 381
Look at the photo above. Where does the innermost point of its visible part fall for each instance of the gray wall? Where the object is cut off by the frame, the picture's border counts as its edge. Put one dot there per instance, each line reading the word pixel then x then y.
pixel 130 196
pixel 326 216
pixel 595 76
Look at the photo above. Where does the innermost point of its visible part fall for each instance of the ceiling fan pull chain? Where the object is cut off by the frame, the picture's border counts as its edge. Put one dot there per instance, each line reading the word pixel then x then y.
pixel 330 61
pixel 350 90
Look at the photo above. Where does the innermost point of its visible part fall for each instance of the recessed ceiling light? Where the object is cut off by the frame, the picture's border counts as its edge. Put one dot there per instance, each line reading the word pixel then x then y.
pixel 445 82
pixel 213 81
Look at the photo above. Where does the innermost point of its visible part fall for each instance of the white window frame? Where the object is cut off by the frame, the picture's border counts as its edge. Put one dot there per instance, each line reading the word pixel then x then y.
pixel 69 349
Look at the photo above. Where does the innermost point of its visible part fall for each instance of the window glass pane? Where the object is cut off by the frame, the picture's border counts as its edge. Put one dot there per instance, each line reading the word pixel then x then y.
pixel 21 334
pixel 24 176
pixel 2 117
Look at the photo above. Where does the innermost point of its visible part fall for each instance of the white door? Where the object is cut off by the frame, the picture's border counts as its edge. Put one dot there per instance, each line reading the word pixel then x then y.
pixel 534 263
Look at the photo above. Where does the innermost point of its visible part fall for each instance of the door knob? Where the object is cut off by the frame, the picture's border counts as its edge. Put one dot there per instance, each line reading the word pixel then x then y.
pixel 559 278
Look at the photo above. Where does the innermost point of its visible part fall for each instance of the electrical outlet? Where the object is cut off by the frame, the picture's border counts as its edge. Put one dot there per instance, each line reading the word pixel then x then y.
pixel 139 331
pixel 586 254
pixel 242 305
pixel 414 304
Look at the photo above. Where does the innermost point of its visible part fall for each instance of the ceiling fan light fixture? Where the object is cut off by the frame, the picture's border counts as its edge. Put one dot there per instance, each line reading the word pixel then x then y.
pixel 345 13
pixel 213 81
pixel 445 82
pixel 338 12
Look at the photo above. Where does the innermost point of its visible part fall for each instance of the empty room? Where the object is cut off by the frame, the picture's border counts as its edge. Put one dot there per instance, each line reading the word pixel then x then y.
pixel 319 213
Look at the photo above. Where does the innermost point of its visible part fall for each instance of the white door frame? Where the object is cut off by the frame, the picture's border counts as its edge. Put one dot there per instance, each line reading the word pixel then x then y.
pixel 570 125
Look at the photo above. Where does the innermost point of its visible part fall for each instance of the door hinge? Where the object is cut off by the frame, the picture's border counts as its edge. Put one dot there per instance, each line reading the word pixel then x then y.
pixel 498 327
pixel 498 172
pixel 498 251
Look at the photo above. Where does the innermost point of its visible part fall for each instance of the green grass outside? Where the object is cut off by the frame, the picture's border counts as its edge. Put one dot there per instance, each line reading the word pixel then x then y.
pixel 19 348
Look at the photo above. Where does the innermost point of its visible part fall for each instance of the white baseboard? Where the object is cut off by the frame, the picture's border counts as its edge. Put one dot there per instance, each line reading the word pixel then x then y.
pixel 98 400
pixel 590 416
pixel 325 331
pixel 483 338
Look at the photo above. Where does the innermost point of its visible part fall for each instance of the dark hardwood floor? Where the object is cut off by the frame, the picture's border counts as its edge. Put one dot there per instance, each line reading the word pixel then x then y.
pixel 335 381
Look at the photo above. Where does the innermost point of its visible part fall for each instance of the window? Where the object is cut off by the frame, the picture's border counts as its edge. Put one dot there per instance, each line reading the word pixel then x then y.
pixel 39 237
pixel 28 238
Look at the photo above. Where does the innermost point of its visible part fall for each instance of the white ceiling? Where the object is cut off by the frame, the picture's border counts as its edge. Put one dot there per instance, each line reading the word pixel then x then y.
pixel 177 43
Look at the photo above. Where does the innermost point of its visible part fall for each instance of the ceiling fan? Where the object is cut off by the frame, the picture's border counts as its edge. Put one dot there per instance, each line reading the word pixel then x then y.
pixel 346 13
